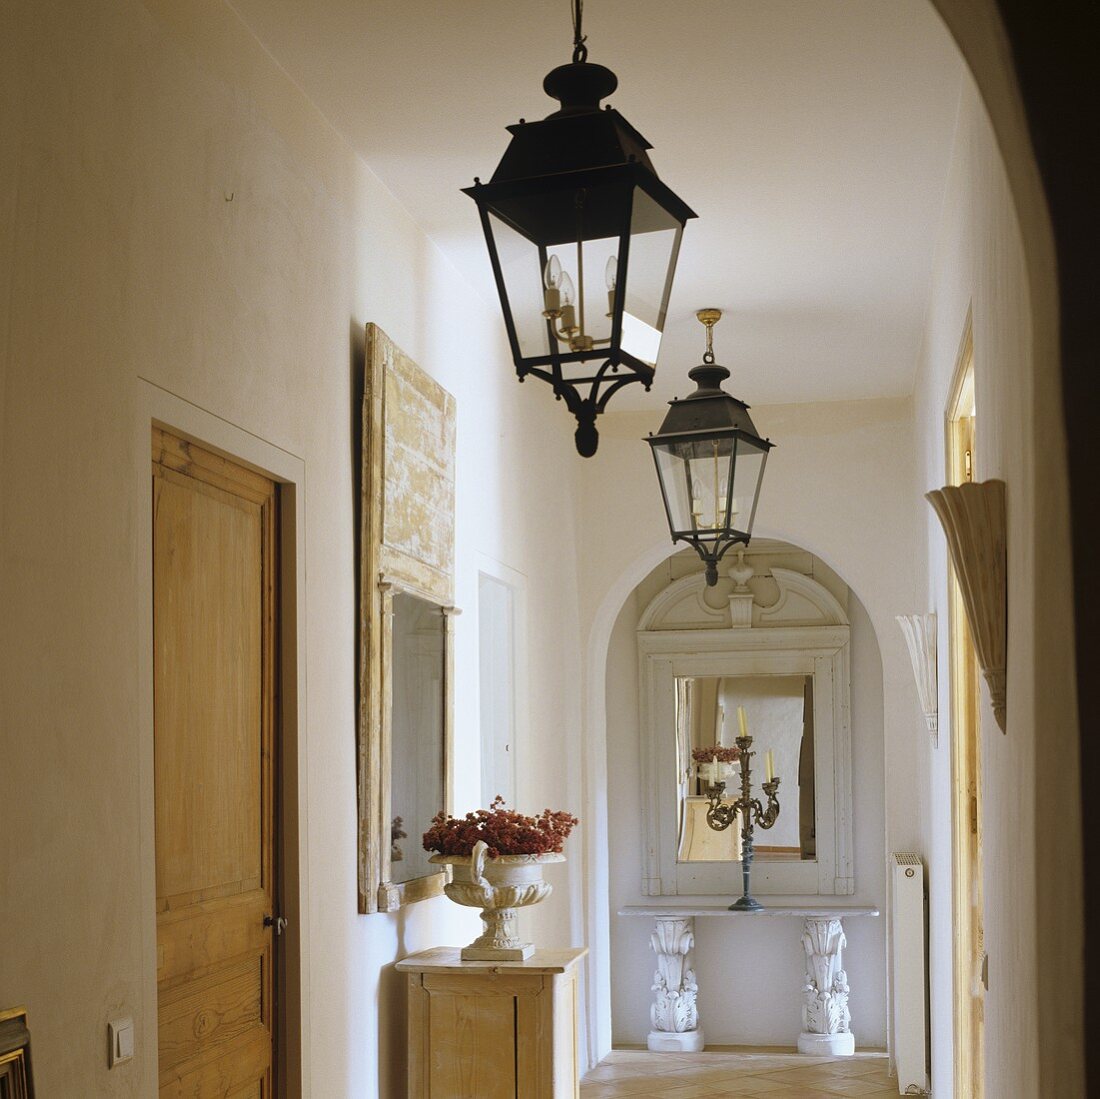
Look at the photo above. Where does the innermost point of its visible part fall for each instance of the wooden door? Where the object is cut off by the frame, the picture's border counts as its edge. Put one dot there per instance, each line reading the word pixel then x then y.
pixel 214 637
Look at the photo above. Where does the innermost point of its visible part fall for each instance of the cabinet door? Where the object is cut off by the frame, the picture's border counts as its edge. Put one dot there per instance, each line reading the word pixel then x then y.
pixel 486 1035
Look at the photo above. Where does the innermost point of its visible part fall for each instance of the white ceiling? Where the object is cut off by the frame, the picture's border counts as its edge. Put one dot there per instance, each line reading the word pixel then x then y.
pixel 812 137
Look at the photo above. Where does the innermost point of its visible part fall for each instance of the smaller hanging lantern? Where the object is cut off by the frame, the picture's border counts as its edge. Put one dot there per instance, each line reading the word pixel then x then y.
pixel 710 462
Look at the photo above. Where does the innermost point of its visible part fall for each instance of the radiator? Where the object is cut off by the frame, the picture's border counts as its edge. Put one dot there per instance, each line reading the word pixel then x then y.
pixel 910 976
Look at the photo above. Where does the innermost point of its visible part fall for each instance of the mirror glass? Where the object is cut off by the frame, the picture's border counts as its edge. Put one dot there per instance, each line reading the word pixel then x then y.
pixel 417 790
pixel 779 711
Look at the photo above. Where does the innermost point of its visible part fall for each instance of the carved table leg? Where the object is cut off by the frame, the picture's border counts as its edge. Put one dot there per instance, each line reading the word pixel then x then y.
pixel 674 1015
pixel 825 1017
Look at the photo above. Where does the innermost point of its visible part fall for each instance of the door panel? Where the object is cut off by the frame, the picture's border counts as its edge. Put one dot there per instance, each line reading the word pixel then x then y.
pixel 214 730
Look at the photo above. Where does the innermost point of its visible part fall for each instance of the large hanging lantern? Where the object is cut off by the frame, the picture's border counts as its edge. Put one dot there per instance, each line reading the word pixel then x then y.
pixel 583 239
pixel 710 462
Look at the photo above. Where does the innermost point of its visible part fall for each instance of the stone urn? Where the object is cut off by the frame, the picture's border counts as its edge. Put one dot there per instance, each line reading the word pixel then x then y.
pixel 498 887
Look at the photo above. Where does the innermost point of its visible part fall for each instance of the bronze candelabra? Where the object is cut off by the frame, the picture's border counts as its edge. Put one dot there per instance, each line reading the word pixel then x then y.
pixel 720 817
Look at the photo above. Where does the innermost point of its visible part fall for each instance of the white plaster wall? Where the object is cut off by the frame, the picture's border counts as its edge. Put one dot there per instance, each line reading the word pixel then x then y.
pixel 980 265
pixel 750 972
pixel 839 483
pixel 172 208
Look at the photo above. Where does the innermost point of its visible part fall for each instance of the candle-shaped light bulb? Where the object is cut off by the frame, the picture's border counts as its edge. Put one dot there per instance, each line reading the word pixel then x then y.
pixel 742 724
pixel 611 277
pixel 552 273
pixel 568 291
pixel 568 296
pixel 551 278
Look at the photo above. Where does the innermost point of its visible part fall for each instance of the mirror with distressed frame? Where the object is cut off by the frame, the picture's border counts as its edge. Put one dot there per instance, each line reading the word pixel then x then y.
pixel 406 636
pixel 417 731
pixel 788 666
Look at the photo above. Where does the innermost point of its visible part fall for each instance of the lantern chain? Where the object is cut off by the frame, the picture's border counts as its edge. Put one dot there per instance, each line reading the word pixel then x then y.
pixel 708 318
pixel 580 50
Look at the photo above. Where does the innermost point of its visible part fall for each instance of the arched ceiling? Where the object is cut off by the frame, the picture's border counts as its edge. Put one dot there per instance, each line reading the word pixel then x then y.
pixel 811 136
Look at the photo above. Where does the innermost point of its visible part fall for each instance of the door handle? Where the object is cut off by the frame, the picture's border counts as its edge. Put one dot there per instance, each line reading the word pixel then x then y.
pixel 277 922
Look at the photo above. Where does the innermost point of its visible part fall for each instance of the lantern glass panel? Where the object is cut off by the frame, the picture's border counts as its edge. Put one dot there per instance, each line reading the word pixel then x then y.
pixel 672 469
pixel 709 469
pixel 585 265
pixel 521 272
pixel 654 244
pixel 746 484
pixel 695 479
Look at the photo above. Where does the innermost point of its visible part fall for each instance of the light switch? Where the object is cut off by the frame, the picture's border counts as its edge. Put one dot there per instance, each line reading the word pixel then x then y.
pixel 120 1033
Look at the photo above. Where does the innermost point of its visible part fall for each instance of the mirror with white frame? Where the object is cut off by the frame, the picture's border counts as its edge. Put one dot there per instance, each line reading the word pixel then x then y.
pixel 779 715
pixel 787 664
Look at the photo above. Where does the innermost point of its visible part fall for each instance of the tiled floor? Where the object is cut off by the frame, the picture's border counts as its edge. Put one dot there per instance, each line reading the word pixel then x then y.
pixel 637 1074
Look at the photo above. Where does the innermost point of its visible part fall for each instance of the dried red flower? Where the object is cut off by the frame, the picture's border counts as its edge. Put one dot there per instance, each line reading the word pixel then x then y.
pixel 716 752
pixel 504 830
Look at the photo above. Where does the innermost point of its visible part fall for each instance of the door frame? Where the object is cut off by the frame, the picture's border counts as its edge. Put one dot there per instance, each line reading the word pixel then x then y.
pixel 157 407
pixel 966 755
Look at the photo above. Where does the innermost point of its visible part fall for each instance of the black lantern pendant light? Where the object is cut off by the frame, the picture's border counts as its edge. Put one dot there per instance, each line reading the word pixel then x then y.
pixel 710 462
pixel 583 238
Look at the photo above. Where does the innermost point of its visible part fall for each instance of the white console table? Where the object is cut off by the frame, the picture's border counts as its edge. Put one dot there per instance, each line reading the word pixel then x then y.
pixel 825 1016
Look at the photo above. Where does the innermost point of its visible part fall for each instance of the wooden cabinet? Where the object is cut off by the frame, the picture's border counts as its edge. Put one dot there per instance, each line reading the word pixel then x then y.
pixel 492 1030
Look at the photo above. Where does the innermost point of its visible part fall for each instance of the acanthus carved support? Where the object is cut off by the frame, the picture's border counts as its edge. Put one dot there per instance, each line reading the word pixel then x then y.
pixel 826 1021
pixel 674 1014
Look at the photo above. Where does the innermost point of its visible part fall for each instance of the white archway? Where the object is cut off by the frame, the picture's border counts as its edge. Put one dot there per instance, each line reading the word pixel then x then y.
pixel 597 869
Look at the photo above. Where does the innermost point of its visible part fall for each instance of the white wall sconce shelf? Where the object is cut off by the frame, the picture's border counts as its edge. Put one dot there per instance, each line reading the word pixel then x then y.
pixel 920 637
pixel 973 519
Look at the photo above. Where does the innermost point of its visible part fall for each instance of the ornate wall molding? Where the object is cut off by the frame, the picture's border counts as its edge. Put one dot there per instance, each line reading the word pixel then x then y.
pixel 919 631
pixel 802 601
pixel 973 520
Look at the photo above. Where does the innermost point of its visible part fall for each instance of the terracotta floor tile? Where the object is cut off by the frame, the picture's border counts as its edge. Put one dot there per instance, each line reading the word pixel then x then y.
pixel 764 1073
pixel 851 1085
pixel 623 1071
pixel 630 1085
pixel 859 1066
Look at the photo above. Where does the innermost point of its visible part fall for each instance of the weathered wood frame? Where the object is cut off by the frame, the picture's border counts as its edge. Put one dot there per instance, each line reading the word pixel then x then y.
pixel 407 545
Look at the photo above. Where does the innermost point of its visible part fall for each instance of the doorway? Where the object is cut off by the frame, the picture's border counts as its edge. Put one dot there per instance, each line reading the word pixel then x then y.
pixel 215 751
pixel 966 785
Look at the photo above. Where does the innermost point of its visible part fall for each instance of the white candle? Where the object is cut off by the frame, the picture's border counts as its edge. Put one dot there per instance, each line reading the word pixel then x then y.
pixel 713 772
pixel 742 723
pixel 769 765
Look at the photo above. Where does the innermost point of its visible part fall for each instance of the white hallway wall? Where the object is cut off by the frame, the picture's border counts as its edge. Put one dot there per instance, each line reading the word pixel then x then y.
pixel 980 266
pixel 839 483
pixel 124 124
pixel 750 971
pixel 127 126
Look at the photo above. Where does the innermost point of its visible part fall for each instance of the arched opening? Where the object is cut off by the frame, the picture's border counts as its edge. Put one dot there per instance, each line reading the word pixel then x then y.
pixel 757 962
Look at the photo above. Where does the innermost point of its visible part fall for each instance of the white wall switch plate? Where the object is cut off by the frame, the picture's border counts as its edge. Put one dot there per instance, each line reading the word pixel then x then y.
pixel 120 1033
